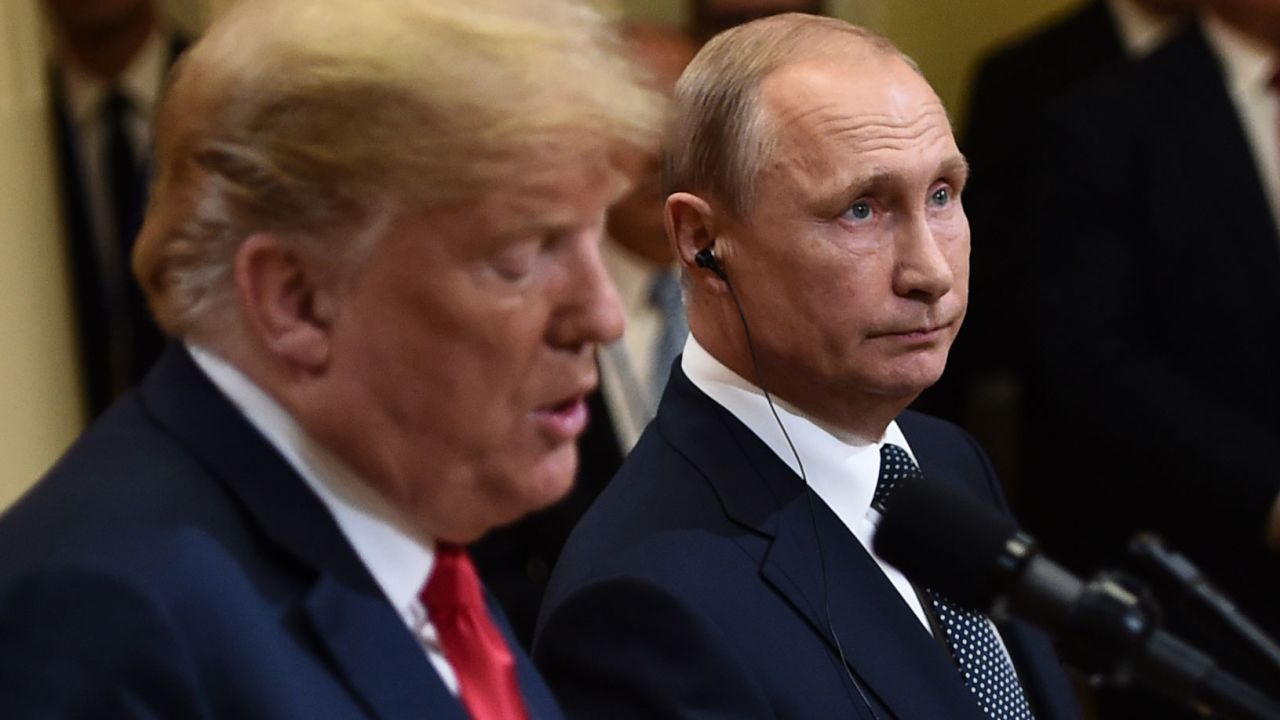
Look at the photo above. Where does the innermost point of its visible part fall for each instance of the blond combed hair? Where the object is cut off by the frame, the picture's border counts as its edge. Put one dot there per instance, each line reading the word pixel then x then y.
pixel 318 120
pixel 719 135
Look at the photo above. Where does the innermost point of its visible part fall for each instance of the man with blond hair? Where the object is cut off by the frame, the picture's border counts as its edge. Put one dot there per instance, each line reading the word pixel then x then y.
pixel 374 237
pixel 725 571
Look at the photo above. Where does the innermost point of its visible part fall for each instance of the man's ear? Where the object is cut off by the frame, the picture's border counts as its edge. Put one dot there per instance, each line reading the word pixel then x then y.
pixel 288 305
pixel 691 224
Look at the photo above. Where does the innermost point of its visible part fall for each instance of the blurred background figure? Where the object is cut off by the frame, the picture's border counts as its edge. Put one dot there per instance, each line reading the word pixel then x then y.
pixel 516 561
pixel 1153 301
pixel 712 16
pixel 111 59
pixel 985 386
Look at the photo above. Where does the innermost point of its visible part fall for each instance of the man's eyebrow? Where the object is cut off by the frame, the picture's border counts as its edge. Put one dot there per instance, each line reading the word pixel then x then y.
pixel 870 181
pixel 956 165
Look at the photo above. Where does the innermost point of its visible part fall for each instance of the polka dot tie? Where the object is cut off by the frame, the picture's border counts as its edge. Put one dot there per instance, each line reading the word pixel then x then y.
pixel 986 668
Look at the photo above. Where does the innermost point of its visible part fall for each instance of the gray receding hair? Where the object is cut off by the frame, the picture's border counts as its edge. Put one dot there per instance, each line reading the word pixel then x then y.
pixel 718 135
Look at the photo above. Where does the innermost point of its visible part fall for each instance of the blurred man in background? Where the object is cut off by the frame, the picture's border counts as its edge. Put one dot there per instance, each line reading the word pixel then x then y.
pixel 111 60
pixel 987 387
pixel 1155 208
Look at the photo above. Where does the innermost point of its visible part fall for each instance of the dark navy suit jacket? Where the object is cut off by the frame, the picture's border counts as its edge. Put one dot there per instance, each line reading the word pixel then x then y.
pixel 173 565
pixel 693 589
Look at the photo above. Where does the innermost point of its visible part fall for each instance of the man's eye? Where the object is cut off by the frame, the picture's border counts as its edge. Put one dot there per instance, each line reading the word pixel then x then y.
pixel 941 197
pixel 859 211
pixel 515 263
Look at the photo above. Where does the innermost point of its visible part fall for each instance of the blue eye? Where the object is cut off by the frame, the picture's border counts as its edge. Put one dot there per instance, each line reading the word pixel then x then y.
pixel 941 197
pixel 860 210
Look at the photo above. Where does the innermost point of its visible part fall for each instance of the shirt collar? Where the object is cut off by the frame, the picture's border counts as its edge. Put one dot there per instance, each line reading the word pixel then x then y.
pixel 1248 62
pixel 140 82
pixel 1141 32
pixel 840 467
pixel 399 561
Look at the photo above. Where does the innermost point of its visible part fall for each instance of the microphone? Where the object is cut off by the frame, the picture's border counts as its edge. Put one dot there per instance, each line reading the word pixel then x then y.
pixel 1148 551
pixel 954 544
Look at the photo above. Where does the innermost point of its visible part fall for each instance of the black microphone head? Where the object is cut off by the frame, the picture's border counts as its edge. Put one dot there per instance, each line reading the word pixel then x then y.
pixel 947 541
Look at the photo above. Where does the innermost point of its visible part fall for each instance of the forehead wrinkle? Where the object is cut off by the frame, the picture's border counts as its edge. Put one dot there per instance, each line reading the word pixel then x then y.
pixel 887 127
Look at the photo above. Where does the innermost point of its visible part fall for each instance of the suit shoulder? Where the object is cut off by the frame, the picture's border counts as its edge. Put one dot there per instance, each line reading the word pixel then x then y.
pixel 129 500
pixel 56 660
pixel 1066 46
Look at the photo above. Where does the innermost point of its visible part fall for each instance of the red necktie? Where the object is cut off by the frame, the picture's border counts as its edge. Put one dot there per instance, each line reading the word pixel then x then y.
pixel 472 643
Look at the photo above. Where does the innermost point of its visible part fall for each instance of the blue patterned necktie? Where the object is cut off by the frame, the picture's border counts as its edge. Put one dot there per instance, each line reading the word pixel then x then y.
pixel 664 294
pixel 986 668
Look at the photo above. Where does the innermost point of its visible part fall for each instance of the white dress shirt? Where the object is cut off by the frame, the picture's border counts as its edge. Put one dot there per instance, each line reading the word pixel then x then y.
pixel 1141 32
pixel 85 92
pixel 1248 65
pixel 399 561
pixel 627 363
pixel 841 468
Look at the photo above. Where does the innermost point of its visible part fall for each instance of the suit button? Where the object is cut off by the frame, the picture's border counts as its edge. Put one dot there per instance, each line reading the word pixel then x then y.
pixel 537 569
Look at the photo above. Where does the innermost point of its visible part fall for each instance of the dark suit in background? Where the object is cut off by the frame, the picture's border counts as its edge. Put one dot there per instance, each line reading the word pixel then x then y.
pixel 177 566
pixel 702 552
pixel 1156 296
pixel 987 387
pixel 1012 86
pixel 94 305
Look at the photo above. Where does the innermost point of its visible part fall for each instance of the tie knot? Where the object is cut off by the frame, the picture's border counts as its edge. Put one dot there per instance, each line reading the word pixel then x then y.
pixel 896 467
pixel 453 583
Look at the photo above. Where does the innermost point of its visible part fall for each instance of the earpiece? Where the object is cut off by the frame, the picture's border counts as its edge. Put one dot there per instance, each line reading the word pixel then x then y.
pixel 706 258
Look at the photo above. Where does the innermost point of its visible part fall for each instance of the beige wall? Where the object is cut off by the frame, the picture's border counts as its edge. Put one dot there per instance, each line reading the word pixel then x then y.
pixel 39 400
pixel 39 407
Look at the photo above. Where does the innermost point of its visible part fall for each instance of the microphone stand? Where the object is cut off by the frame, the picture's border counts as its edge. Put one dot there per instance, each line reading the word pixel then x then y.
pixel 1108 633
pixel 1149 552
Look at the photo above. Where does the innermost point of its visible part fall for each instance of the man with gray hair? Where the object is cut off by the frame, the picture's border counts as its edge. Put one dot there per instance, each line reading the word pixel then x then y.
pixel 725 572
pixel 374 235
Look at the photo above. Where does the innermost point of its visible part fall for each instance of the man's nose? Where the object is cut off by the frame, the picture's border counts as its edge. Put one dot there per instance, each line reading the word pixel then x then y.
pixel 921 267
pixel 594 311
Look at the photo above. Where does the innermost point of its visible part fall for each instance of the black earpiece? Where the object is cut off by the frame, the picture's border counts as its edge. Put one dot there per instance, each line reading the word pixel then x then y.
pixel 706 258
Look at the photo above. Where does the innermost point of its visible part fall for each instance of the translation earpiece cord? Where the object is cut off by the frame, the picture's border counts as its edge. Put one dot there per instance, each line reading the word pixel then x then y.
pixel 813 515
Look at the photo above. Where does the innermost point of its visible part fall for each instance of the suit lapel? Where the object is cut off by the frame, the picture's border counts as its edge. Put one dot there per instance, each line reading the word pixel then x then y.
pixel 368 645
pixel 366 639
pixel 883 642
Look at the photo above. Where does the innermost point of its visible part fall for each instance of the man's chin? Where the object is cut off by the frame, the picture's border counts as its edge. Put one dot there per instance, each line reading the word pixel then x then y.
pixel 548 481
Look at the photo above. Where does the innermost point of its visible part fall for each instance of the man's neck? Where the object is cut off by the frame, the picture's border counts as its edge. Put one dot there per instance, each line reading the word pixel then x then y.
pixel 836 410
pixel 106 51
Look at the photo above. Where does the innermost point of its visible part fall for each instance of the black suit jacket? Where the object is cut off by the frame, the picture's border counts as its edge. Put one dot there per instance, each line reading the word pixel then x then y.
pixel 93 322
pixel 173 565
pixel 1157 299
pixel 693 589
pixel 1013 86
